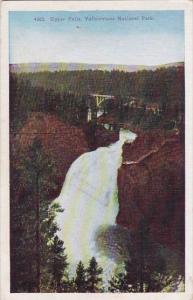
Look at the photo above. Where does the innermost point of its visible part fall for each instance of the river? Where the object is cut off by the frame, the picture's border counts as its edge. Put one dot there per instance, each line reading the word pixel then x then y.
pixel 89 199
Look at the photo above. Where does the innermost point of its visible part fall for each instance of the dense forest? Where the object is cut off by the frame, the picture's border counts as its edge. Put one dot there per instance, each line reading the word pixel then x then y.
pixel 67 94
pixel 38 259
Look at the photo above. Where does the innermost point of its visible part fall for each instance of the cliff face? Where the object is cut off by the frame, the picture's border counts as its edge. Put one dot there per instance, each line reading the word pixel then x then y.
pixel 98 136
pixel 151 186
pixel 61 142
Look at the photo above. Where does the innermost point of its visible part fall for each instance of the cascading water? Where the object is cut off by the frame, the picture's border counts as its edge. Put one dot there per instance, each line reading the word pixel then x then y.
pixel 89 200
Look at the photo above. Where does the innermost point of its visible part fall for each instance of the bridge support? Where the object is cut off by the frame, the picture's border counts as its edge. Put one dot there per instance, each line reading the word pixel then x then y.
pixel 94 105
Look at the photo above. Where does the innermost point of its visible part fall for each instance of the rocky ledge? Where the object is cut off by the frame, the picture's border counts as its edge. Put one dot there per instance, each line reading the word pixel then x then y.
pixel 151 187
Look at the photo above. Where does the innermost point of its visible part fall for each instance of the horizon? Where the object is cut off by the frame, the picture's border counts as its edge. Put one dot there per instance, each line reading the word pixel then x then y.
pixel 145 38
pixel 85 63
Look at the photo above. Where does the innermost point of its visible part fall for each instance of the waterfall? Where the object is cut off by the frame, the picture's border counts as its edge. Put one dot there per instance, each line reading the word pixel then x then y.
pixel 89 200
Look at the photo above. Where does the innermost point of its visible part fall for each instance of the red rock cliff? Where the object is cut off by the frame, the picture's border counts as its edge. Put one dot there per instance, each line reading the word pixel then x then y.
pixel 63 143
pixel 151 185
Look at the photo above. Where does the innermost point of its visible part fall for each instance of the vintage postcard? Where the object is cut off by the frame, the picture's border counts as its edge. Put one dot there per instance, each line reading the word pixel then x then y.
pixel 96 123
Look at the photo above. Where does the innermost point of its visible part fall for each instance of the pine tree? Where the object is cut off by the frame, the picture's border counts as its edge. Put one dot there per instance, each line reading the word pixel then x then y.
pixel 38 165
pixel 55 261
pixel 126 281
pixel 94 279
pixel 38 262
pixel 117 283
pixel 58 263
pixel 80 281
pixel 23 231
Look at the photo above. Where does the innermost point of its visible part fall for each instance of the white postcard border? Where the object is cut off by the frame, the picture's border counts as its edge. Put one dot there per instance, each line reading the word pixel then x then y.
pixel 4 143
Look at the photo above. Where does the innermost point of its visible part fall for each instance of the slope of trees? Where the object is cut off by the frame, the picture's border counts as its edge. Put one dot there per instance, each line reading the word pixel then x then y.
pixel 158 85
pixel 146 269
pixel 66 94
pixel 35 247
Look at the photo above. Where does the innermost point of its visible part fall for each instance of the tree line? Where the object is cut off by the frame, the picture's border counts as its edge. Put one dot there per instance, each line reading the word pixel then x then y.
pixel 158 85
pixel 66 94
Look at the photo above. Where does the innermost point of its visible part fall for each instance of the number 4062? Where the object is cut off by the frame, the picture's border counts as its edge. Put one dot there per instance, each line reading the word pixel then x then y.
pixel 39 19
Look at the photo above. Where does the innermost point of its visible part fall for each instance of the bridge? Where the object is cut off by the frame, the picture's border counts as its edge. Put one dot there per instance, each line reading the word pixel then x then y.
pixel 94 104
pixel 101 98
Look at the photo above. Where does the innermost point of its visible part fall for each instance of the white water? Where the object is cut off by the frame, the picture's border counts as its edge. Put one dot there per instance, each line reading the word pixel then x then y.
pixel 89 200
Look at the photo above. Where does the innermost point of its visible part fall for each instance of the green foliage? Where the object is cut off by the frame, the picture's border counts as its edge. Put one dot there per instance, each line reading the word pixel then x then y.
pixel 129 282
pixel 88 279
pixel 57 263
pixel 118 284
pixel 146 269
pixel 80 281
pixel 94 279
pixel 66 94
pixel 37 255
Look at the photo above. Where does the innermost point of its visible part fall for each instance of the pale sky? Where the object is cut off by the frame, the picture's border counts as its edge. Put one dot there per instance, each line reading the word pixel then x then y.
pixel 142 38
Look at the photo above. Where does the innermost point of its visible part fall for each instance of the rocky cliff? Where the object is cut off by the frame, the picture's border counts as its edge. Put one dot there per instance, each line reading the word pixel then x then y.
pixel 98 136
pixel 151 186
pixel 63 143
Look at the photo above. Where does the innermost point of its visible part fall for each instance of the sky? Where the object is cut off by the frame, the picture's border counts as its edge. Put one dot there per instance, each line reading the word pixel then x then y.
pixel 99 37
